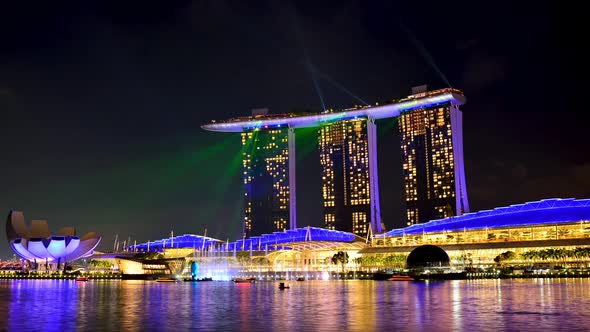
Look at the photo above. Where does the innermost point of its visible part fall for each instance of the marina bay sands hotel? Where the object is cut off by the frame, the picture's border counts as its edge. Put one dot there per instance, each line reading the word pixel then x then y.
pixel 430 125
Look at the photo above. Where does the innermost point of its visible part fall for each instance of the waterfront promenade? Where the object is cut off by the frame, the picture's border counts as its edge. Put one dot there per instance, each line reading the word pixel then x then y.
pixel 354 275
pixel 57 275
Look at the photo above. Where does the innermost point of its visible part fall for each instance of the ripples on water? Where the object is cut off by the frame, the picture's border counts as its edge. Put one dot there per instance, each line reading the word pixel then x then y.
pixel 484 305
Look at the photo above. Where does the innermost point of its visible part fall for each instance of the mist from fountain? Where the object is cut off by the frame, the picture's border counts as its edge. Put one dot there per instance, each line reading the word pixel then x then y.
pixel 214 263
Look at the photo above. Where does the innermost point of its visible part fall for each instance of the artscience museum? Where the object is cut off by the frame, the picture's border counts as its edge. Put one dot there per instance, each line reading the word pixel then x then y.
pixel 38 245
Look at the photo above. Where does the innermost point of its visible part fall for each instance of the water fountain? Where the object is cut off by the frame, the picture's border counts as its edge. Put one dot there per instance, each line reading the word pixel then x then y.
pixel 213 263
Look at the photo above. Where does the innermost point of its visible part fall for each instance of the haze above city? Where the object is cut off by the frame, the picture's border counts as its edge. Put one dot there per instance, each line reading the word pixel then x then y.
pixel 102 103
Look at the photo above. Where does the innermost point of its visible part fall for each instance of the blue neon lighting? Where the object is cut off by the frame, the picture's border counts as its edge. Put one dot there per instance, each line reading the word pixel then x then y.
pixel 276 240
pixel 377 112
pixel 547 211
pixel 271 241
pixel 182 241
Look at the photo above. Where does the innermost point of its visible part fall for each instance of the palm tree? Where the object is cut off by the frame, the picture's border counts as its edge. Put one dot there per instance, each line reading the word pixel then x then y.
pixel 358 262
pixel 505 256
pixel 527 255
pixel 340 257
pixel 395 261
pixel 545 254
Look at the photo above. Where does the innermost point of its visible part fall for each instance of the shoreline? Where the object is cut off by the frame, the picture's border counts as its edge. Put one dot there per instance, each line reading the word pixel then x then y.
pixel 17 276
pixel 334 276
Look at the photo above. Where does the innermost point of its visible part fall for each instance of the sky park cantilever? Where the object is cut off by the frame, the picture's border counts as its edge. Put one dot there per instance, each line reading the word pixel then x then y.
pixel 430 125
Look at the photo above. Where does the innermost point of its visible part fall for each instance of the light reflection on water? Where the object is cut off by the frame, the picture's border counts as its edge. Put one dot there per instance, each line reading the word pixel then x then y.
pixel 523 304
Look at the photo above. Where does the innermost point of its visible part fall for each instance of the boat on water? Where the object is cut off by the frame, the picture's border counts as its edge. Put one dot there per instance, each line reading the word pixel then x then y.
pixel 383 275
pixel 198 279
pixel 399 277
pixel 300 279
pixel 244 280
pixel 441 276
pixel 166 279
pixel 82 278
pixel 283 286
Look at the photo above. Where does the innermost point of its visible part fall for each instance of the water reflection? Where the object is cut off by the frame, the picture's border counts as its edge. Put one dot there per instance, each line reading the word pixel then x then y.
pixel 57 300
pixel 65 305
pixel 457 309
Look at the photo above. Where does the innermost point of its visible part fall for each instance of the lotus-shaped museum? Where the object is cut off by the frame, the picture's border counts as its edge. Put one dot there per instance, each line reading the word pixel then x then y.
pixel 38 244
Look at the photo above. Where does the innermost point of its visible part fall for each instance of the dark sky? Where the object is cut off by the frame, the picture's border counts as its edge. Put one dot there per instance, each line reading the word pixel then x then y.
pixel 102 102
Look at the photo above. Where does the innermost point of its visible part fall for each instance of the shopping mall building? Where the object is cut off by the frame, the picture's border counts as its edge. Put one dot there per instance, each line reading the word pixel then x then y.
pixel 481 236
pixel 471 239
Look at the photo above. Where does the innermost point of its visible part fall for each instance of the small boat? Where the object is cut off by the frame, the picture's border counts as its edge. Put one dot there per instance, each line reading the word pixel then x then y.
pixel 166 279
pixel 300 279
pixel 283 286
pixel 399 277
pixel 382 275
pixel 198 279
pixel 82 278
pixel 244 280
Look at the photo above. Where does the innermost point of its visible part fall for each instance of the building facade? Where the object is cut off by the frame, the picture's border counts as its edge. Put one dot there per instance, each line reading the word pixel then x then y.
pixel 481 236
pixel 432 154
pixel 37 244
pixel 432 163
pixel 547 232
pixel 265 165
pixel 344 158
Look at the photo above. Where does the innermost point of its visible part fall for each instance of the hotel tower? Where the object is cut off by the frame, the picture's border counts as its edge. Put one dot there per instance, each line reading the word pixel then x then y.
pixel 430 125
pixel 344 157
pixel 265 164
pixel 432 162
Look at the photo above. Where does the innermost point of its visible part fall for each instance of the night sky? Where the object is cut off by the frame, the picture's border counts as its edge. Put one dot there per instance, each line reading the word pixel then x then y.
pixel 102 102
